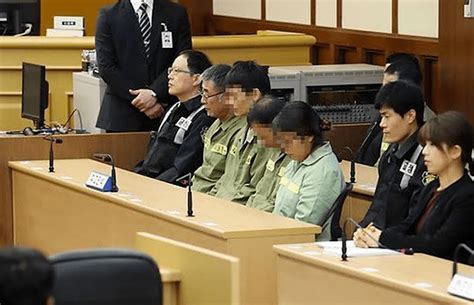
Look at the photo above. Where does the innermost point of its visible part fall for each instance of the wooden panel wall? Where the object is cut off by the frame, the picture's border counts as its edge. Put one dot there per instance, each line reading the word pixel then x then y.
pixel 338 45
pixel 87 8
pixel 456 62
pixel 199 13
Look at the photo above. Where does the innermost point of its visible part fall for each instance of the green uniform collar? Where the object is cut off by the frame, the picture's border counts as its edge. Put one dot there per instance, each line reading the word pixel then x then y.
pixel 318 153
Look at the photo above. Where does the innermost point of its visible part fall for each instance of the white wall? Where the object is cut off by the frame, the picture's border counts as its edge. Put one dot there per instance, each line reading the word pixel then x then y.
pixel 293 11
pixel 415 17
pixel 418 17
pixel 238 8
pixel 326 13
pixel 368 15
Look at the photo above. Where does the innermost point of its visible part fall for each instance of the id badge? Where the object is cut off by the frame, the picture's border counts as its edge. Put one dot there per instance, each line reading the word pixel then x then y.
pixel 167 39
pixel 184 123
pixel 408 168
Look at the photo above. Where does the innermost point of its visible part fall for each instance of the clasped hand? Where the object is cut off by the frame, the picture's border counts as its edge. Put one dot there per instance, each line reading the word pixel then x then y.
pixel 147 103
pixel 363 240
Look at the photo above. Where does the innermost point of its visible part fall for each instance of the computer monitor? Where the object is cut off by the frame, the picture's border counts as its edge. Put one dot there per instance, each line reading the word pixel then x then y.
pixel 34 93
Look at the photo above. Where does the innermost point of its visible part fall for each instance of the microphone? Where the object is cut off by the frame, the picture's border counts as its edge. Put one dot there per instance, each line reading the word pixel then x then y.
pixel 108 159
pixel 456 256
pixel 408 251
pixel 352 172
pixel 51 152
pixel 190 193
pixel 368 137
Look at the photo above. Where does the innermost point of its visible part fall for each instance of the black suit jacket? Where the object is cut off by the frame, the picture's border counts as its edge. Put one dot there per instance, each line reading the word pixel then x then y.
pixel 448 224
pixel 123 64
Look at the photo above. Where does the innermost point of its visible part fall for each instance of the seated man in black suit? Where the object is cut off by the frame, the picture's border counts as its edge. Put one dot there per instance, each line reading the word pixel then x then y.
pixel 401 167
pixel 176 148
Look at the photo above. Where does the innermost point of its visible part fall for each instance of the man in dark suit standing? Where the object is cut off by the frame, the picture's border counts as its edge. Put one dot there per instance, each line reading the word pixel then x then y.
pixel 136 41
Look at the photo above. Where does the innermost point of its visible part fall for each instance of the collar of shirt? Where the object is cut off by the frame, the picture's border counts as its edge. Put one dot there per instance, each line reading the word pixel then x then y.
pixel 193 103
pixel 136 5
pixel 318 153
pixel 409 144
pixel 224 126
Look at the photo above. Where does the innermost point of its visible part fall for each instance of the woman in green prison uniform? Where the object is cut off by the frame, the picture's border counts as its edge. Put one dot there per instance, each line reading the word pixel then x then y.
pixel 313 179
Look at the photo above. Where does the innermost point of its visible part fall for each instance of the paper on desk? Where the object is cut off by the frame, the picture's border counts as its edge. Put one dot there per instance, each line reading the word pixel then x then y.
pixel 334 248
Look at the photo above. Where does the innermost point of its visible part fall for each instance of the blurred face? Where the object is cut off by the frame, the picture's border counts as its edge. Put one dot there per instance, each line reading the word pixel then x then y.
pixel 296 147
pixel 213 100
pixel 396 128
pixel 181 82
pixel 265 135
pixel 438 159
pixel 388 78
pixel 240 100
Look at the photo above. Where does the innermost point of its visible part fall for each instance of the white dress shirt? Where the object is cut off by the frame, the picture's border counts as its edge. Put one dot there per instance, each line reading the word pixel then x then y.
pixel 136 6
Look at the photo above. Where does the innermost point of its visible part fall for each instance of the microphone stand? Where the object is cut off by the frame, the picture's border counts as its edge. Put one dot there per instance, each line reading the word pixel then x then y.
pixel 51 151
pixel 352 172
pixel 108 158
pixel 190 193
pixel 408 251
pixel 456 254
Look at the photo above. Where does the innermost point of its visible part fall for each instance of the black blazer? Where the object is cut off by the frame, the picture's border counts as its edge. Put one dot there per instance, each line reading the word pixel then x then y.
pixel 123 64
pixel 448 224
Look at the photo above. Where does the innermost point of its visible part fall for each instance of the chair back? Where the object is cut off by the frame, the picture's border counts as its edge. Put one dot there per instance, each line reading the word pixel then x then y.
pixel 106 276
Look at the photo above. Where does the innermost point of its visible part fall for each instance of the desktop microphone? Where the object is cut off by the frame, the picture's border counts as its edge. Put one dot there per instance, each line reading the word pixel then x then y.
pixel 456 256
pixel 108 159
pixel 352 172
pixel 190 193
pixel 408 251
pixel 370 135
pixel 51 152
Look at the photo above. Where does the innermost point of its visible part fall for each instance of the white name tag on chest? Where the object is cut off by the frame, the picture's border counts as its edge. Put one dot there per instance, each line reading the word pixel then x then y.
pixel 408 168
pixel 183 123
pixel 167 40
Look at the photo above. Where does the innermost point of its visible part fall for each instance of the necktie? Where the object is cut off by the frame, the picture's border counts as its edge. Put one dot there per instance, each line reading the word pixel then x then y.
pixel 145 28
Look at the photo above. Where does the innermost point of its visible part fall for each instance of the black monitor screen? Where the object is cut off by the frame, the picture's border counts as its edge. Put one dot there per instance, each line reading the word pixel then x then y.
pixel 34 93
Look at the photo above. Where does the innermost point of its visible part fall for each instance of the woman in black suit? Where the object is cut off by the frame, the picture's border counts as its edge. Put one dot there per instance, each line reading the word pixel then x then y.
pixel 442 217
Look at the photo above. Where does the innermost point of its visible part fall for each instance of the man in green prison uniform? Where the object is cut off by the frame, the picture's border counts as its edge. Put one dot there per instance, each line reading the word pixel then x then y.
pixel 245 83
pixel 220 135
pixel 260 119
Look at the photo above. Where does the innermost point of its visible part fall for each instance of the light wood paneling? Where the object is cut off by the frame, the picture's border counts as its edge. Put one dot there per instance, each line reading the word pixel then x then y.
pixel 207 277
pixel 77 217
pixel 456 59
pixel 75 146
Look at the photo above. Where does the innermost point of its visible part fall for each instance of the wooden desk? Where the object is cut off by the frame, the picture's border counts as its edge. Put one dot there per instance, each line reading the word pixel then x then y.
pixel 14 148
pixel 207 277
pixel 55 214
pixel 360 199
pixel 305 276
pixel 171 280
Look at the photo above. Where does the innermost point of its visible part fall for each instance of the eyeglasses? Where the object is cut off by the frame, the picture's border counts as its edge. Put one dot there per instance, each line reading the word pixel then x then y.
pixel 206 97
pixel 176 70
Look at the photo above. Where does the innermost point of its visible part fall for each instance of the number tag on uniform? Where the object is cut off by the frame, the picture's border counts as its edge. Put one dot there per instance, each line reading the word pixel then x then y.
pixel 183 123
pixel 167 40
pixel 270 165
pixel 408 168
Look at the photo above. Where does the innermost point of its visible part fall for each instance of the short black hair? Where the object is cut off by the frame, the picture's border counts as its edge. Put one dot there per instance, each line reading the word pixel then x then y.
pixel 216 74
pixel 26 277
pixel 197 61
pixel 401 96
pixel 249 76
pixel 405 70
pixel 265 110
pixel 299 117
pixel 394 57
